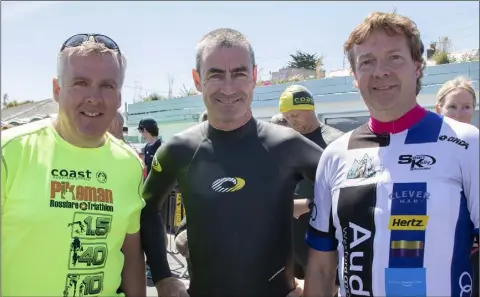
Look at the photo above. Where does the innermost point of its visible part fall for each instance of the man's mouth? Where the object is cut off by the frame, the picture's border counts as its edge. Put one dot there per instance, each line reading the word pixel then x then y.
pixel 229 101
pixel 91 114
pixel 383 88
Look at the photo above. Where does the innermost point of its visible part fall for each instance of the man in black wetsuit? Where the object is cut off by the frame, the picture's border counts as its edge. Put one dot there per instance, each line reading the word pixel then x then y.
pixel 298 108
pixel 148 128
pixel 237 176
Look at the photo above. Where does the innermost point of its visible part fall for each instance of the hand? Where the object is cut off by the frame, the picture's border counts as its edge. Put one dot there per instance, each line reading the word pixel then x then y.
pixel 298 291
pixel 181 243
pixel 300 206
pixel 171 287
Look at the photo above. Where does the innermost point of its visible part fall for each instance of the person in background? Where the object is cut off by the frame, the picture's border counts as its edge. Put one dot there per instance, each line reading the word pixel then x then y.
pixel 148 128
pixel 279 119
pixel 456 99
pixel 298 108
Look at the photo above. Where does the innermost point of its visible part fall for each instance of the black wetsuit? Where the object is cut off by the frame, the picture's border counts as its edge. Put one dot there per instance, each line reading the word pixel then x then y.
pixel 322 136
pixel 148 152
pixel 237 188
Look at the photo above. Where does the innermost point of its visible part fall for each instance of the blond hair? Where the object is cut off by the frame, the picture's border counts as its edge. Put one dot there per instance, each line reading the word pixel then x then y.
pixel 392 24
pixel 458 82
pixel 89 47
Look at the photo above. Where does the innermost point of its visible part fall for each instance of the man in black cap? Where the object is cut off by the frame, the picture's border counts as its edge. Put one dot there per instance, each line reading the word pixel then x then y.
pixel 148 128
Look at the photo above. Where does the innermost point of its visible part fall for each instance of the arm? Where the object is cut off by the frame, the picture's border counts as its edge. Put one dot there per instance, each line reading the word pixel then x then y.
pixel 321 265
pixel 308 153
pixel 4 182
pixel 158 186
pixel 470 176
pixel 133 274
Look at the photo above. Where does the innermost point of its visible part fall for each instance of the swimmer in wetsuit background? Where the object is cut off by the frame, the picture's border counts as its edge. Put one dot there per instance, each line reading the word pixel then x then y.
pixel 298 108
pixel 237 176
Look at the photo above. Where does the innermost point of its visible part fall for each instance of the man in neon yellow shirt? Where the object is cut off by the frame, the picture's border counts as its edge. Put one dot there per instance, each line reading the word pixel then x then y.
pixel 70 192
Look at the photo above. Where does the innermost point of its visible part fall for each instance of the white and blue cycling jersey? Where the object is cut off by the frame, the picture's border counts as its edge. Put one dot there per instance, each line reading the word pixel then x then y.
pixel 401 209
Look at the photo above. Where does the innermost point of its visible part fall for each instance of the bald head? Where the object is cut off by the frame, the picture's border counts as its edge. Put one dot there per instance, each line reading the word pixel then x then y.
pixel 116 126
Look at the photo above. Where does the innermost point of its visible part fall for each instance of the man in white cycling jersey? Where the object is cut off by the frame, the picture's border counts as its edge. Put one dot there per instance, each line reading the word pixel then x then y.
pixel 397 198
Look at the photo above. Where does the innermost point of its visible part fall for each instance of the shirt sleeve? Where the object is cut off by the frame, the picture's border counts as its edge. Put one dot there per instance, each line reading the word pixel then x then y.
pixel 470 175
pixel 321 232
pixel 139 204
pixel 158 185
pixel 4 182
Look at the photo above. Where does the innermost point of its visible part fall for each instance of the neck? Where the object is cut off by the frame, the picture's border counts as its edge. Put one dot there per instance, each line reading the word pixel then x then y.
pixel 404 122
pixel 314 125
pixel 393 114
pixel 62 128
pixel 151 139
pixel 229 126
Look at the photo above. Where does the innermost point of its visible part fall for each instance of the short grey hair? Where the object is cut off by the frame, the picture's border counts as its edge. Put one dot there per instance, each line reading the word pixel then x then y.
pixel 90 46
pixel 224 37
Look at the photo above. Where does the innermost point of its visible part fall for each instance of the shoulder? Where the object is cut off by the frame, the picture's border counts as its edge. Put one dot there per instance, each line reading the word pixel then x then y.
pixel 461 134
pixel 338 148
pixel 123 151
pixel 277 134
pixel 329 133
pixel 20 134
pixel 187 141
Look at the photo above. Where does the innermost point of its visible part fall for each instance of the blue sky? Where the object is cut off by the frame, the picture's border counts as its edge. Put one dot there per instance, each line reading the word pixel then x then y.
pixel 159 38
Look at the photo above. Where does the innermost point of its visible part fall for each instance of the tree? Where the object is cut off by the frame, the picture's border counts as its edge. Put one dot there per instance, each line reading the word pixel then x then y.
pixel 5 100
pixel 184 92
pixel 442 50
pixel 303 60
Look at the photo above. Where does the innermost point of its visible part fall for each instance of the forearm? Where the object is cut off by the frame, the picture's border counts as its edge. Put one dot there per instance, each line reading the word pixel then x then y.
pixel 153 242
pixel 133 275
pixel 320 278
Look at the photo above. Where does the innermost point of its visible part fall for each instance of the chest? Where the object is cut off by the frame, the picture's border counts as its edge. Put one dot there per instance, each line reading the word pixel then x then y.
pixel 82 199
pixel 404 180
pixel 239 177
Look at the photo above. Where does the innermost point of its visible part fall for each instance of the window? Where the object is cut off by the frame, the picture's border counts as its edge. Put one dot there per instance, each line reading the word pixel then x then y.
pixel 346 124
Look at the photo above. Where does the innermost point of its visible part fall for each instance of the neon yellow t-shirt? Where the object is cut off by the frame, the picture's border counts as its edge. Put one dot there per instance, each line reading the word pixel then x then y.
pixel 65 213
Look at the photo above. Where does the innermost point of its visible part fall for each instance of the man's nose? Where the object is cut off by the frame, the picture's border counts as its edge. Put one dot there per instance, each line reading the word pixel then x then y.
pixel 381 70
pixel 228 87
pixel 95 95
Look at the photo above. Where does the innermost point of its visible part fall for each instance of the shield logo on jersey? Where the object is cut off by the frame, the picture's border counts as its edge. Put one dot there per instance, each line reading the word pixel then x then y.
pixel 362 169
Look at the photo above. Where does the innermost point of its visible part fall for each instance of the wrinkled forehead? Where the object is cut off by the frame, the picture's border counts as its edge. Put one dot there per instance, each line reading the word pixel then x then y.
pixel 296 114
pixel 379 42
pixel 226 58
pixel 93 66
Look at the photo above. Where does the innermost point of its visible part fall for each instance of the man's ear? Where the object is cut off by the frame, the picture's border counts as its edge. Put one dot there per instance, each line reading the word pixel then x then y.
pixel 55 89
pixel 418 69
pixel 255 74
pixel 197 80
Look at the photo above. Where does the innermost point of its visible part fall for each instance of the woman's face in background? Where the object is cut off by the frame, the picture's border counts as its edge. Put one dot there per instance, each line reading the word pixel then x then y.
pixel 458 105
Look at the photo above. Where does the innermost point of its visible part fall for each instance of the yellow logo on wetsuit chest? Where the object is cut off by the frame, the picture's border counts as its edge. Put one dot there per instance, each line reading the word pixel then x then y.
pixel 228 184
pixel 155 165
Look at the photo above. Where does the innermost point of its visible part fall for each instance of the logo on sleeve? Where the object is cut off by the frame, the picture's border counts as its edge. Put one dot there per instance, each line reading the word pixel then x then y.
pixel 156 165
pixel 228 184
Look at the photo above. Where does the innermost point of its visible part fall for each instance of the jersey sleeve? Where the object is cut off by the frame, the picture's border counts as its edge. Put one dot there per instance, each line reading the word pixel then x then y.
pixel 159 183
pixel 470 175
pixel 321 233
